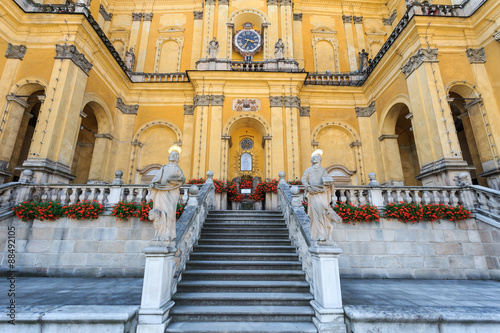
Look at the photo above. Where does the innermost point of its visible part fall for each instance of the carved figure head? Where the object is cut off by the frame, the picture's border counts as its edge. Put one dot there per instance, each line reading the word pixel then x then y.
pixel 154 215
pixel 174 156
pixel 316 159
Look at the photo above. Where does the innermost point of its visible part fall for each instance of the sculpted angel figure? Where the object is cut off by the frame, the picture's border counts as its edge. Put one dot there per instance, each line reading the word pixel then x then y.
pixel 213 49
pixel 318 191
pixel 165 195
pixel 130 59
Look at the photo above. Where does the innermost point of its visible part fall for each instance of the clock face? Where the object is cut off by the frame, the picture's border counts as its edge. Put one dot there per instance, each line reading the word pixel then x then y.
pixel 247 41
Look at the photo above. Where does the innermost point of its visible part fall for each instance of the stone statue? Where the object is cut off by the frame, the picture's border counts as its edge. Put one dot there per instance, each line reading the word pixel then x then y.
pixel 213 49
pixel 318 191
pixel 363 60
pixel 279 49
pixel 130 59
pixel 165 195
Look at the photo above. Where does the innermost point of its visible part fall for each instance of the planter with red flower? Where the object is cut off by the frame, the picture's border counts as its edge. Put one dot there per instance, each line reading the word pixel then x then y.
pixel 84 210
pixel 412 212
pixel 38 210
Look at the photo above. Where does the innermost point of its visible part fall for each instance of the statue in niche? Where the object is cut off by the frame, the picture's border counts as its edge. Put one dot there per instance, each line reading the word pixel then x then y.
pixel 165 195
pixel 246 162
pixel 130 59
pixel 318 191
pixel 363 60
pixel 213 49
pixel 279 50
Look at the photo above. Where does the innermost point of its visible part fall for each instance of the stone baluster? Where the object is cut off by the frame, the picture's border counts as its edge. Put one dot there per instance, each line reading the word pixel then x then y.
pixel 130 196
pixel 425 197
pixel 342 196
pixel 407 198
pixel 416 197
pixel 453 198
pixel 73 198
pixel 55 194
pixel 398 198
pixel 361 198
pixel 193 195
pixel 64 196
pixel 83 195
pixel 483 201
pixel 444 197
pixel 44 194
pixel 352 198
pixel 92 196
pixel 494 205
pixel 101 198
pixel 115 191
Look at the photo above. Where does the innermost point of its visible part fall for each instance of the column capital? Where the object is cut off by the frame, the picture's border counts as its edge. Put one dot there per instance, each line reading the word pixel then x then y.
pixel 292 102
pixel 209 2
pixel 421 56
pixel 357 19
pixel 286 2
pixel 188 109
pixel 15 51
pixel 217 100
pixel 366 111
pixel 272 2
pixel 276 101
pixel 198 15
pixel 65 51
pixel 305 111
pixel 147 17
pixel 390 19
pixel 107 16
pixel 136 16
pixel 201 100
pixel 347 18
pixel 476 56
pixel 297 16
pixel 224 2
pixel 126 109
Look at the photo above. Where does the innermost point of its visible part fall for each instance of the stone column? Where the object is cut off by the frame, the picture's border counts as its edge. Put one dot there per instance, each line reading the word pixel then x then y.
pixel 272 36
pixel 222 35
pixel 121 149
pixel 368 131
pixel 100 158
pixel 305 135
pixel 279 141
pixel 188 135
pixel 292 104
pixel 12 108
pixel 208 26
pixel 215 148
pixel 51 152
pixel 360 34
pixel 286 27
pixel 298 46
pixel 485 119
pixel 438 149
pixel 134 31
pixel 157 288
pixel 143 46
pixel 201 113
pixel 104 19
pixel 327 303
pixel 351 48
pixel 197 38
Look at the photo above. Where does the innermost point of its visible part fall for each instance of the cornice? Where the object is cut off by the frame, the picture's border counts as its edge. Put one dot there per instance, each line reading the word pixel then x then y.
pixel 126 109
pixel 65 51
pixel 365 111
pixel 421 56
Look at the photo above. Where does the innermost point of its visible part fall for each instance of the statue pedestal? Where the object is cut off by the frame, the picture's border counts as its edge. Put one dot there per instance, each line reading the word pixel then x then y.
pixel 157 288
pixel 327 303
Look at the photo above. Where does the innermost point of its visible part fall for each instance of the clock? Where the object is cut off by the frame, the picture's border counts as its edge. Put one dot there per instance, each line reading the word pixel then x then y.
pixel 247 41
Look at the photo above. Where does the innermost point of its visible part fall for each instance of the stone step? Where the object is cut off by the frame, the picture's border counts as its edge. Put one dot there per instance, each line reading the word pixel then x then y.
pixel 244 256
pixel 214 241
pixel 245 212
pixel 245 248
pixel 244 286
pixel 243 327
pixel 243 224
pixel 220 264
pixel 245 219
pixel 237 235
pixel 302 299
pixel 243 275
pixel 246 230
pixel 194 313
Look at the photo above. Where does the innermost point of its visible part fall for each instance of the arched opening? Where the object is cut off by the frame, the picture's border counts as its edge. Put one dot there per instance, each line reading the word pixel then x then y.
pixel 399 149
pixel 246 158
pixel 169 56
pixel 467 118
pixel 257 19
pixel 325 57
pixel 84 149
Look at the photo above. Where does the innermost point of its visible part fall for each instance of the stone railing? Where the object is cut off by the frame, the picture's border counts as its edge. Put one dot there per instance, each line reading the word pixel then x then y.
pixel 159 77
pixel 8 199
pixel 486 203
pixel 339 79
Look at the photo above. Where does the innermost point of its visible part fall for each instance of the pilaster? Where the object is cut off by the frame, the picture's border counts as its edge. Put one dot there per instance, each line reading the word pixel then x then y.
pixel 215 149
pixel 188 135
pixel 104 19
pixel 197 38
pixel 279 140
pixel 287 27
pixel 134 31
pixel 100 160
pixel 360 33
pixel 392 161
pixel 368 132
pixel 298 47
pixel 305 134
pixel 208 26
pixel 201 114
pixel 143 46
pixel 292 104
pixel 51 154
pixel 272 36
pixel 222 32
pixel 351 48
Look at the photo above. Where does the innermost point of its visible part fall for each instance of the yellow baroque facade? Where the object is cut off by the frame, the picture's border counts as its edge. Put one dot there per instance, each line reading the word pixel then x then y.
pixel 406 89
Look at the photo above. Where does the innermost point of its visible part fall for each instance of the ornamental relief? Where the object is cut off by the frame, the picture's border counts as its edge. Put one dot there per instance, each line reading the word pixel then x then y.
pixel 246 104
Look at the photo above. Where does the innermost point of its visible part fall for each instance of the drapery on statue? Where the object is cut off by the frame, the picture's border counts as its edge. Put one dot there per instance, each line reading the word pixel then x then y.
pixel 213 49
pixel 130 59
pixel 165 195
pixel 279 50
pixel 318 191
pixel 363 60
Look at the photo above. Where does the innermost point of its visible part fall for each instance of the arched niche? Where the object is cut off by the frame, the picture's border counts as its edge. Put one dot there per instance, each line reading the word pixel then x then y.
pixel 340 174
pixel 260 22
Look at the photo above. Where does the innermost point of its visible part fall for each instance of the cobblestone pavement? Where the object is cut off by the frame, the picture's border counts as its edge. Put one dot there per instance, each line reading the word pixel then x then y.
pixel 31 291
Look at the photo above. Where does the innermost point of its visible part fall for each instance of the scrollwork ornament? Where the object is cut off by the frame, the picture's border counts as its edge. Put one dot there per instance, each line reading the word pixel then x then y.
pixel 217 100
pixel 188 109
pixel 476 56
pixel 198 15
pixel 15 51
pixel 201 100
pixel 357 19
pixel 347 18
pixel 126 109
pixel 496 36
pixel 65 51
pixel 421 56
pixel 276 101
pixel 297 16
pixel 292 102
pixel 305 111
pixel 366 111
pixel 136 16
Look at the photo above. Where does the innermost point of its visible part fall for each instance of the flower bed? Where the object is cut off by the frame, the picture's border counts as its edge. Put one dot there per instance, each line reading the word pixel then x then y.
pixel 411 212
pixel 85 210
pixel 263 188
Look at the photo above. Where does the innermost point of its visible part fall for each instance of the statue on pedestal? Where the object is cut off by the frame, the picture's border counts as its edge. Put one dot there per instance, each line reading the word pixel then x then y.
pixel 363 60
pixel 279 49
pixel 130 59
pixel 213 49
pixel 318 191
pixel 165 195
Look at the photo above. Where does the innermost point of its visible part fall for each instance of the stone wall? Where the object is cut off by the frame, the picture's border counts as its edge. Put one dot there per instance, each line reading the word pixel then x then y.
pixel 430 250
pixel 389 249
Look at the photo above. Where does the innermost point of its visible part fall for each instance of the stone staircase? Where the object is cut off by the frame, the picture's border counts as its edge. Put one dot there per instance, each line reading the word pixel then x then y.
pixel 243 276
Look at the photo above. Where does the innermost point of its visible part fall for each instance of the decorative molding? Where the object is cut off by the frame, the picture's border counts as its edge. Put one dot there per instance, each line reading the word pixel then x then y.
pixel 15 51
pixel 388 136
pixel 272 2
pixel 217 100
pixel 355 144
pixel 126 109
pixel 323 33
pixel 305 111
pixel 136 16
pixel 357 19
pixel 65 51
pixel 366 111
pixel 286 2
pixel 18 100
pixel 347 18
pixel 107 16
pixel 496 36
pixel 188 110
pixel 292 102
pixel 198 15
pixel 246 104
pixel 175 33
pixel 224 2
pixel 390 19
pixel 104 136
pixel 209 2
pixel 421 56
pixel 297 17
pixel 147 17
pixel 276 101
pixel 201 100
pixel 476 56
